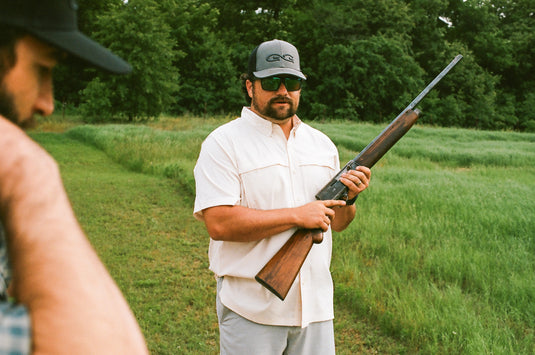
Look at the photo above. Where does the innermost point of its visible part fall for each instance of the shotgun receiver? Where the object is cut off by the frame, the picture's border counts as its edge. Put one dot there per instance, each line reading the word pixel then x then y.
pixel 280 272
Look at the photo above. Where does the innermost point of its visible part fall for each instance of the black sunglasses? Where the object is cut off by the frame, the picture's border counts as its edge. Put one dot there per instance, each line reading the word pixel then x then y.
pixel 273 83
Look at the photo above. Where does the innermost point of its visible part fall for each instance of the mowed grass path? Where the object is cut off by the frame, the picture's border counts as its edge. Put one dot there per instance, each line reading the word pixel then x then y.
pixel 141 226
pixel 144 232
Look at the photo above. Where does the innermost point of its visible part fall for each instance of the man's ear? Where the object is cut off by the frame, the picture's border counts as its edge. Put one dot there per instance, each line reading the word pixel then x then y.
pixel 249 85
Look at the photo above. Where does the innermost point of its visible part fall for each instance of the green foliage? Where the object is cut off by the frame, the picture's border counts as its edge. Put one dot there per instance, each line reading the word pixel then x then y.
pixel 355 76
pixel 71 77
pixel 209 79
pixel 465 98
pixel 527 111
pixel 499 33
pixel 365 59
pixel 135 34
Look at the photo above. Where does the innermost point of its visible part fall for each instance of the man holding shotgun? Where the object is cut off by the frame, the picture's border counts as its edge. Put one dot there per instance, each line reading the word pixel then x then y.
pixel 256 178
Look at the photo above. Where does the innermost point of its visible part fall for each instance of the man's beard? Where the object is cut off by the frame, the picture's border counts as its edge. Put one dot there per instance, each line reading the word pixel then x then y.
pixel 270 112
pixel 8 110
pixel 277 115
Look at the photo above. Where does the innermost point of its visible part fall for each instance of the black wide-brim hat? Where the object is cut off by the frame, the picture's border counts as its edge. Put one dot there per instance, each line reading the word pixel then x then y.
pixel 55 22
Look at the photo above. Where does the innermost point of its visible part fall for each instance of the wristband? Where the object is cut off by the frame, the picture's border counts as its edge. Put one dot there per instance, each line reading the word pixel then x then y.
pixel 352 201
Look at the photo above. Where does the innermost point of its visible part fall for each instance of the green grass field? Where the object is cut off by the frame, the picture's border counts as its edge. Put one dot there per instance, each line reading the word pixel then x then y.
pixel 440 259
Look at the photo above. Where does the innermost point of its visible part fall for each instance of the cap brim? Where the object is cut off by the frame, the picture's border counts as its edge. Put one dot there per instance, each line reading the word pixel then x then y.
pixel 278 71
pixel 81 46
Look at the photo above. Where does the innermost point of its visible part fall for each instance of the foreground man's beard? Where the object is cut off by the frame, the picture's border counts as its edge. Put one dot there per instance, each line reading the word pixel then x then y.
pixel 7 110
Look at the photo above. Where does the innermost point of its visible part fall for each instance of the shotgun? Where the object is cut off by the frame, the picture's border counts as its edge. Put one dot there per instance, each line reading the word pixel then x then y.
pixel 281 270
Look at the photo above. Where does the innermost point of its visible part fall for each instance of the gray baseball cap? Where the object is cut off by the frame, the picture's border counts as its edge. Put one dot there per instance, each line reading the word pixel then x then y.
pixel 56 22
pixel 275 57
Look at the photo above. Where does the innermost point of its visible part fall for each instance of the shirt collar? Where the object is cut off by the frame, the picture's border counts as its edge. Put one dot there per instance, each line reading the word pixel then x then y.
pixel 263 125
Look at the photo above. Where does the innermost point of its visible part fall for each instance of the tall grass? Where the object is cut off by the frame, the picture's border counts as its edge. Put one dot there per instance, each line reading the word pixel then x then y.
pixel 441 254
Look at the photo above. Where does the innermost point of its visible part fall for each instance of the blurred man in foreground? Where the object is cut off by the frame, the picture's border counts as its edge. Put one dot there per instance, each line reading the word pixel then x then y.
pixel 64 300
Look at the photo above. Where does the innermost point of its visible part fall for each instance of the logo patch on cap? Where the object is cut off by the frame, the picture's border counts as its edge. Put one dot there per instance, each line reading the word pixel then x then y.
pixel 277 57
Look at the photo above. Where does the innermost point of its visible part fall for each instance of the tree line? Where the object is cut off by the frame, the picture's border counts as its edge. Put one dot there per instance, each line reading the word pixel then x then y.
pixel 365 59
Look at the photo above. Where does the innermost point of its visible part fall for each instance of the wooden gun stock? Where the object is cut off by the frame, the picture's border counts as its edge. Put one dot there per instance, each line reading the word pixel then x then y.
pixel 281 270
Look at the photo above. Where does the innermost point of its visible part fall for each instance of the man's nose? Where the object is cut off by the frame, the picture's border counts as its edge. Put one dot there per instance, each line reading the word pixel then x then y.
pixel 44 105
pixel 282 89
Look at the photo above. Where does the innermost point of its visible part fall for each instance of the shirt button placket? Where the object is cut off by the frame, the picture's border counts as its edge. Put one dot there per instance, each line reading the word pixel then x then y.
pixel 292 171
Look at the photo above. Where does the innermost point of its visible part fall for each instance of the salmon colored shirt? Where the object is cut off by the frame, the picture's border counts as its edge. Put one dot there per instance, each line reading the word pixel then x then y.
pixel 249 162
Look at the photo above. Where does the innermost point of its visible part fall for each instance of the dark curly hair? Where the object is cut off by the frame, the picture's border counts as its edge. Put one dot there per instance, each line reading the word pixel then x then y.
pixel 244 77
pixel 8 37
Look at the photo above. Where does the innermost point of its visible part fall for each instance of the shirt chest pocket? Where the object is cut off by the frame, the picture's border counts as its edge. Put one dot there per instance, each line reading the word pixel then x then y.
pixel 266 187
pixel 317 172
pixel 285 184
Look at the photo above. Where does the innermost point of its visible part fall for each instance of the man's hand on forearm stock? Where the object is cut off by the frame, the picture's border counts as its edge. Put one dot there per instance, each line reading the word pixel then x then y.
pixel 356 181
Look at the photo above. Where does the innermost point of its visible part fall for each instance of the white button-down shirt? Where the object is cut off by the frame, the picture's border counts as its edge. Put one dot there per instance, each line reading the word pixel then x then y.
pixel 249 162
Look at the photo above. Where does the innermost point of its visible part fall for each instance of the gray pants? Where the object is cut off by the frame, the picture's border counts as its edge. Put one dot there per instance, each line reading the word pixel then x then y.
pixel 239 336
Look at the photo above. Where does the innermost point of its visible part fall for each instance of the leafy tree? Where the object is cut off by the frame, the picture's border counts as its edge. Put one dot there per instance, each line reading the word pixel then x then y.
pixel 355 54
pixel 251 22
pixel 370 79
pixel 71 77
pixel 500 33
pixel 429 31
pixel 209 78
pixel 210 81
pixel 134 31
pixel 466 97
pixel 517 22
pixel 477 24
pixel 527 112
